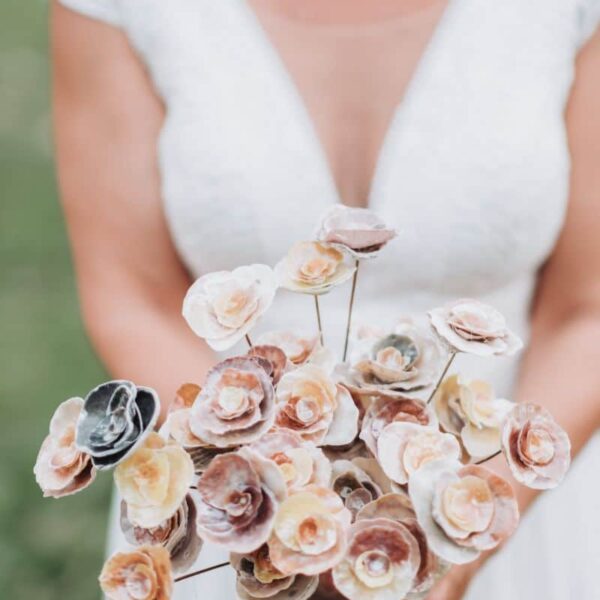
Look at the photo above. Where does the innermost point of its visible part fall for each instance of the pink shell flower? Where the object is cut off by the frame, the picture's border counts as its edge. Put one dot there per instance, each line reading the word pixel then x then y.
pixel 222 307
pixel 359 230
pixel 475 328
pixel 142 574
pixel 462 509
pixel 301 463
pixel 296 347
pixel 385 410
pixel 239 496
pixel 61 468
pixel 236 405
pixel 273 360
pixel 309 532
pixel 381 562
pixel 537 449
pixel 310 403
pixel 257 577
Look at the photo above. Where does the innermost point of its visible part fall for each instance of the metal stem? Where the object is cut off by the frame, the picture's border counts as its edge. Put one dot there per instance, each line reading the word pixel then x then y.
pixel 350 307
pixel 439 382
pixel 189 575
pixel 319 319
pixel 484 460
pixel 249 341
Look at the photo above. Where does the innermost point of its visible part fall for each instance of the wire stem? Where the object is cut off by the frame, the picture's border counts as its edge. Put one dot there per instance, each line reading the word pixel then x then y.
pixel 439 382
pixel 350 307
pixel 201 571
pixel 484 460
pixel 319 319
pixel 249 341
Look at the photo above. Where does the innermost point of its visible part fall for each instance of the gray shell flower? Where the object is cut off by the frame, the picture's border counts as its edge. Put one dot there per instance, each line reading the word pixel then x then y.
pixel 116 417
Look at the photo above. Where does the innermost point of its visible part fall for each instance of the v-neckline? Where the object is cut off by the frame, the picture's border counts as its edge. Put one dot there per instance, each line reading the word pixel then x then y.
pixel 302 116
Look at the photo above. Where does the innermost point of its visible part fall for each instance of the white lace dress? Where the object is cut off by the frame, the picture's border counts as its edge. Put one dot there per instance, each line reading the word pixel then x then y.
pixel 474 172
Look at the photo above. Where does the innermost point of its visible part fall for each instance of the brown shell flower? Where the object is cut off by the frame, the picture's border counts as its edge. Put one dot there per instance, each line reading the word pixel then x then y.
pixel 257 577
pixel 310 403
pixel 236 405
pixel 297 348
pixel 313 268
pixel 474 327
pixel 61 468
pixel 359 230
pixel 462 509
pixel 142 574
pixel 301 463
pixel 239 496
pixel 384 410
pixel 154 480
pixel 273 360
pixel 381 562
pixel 177 534
pixel 537 449
pixel 309 532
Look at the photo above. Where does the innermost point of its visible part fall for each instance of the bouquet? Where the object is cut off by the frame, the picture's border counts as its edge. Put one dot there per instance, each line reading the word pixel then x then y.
pixel 362 480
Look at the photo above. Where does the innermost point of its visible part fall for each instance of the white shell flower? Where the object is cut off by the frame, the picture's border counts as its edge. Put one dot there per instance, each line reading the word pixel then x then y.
pixel 462 509
pixel 297 348
pixel 310 403
pixel 61 468
pixel 313 268
pixel 537 449
pixel 222 307
pixel 404 448
pixel 359 230
pixel 469 409
pixel 475 328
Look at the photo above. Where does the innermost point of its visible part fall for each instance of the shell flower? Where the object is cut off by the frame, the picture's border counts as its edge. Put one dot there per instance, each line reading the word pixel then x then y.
pixel 301 463
pixel 407 360
pixel 236 405
pixel 239 496
pixel 470 410
pixel 381 562
pixel 142 574
pixel 313 268
pixel 310 403
pixel 537 449
pixel 404 448
pixel 177 534
pixel 359 230
pixel 309 532
pixel 257 577
pixel 115 418
pixel 61 468
pixel 463 510
pixel 273 360
pixel 385 410
pixel 154 481
pixel 222 307
pixel 475 328
pixel 297 348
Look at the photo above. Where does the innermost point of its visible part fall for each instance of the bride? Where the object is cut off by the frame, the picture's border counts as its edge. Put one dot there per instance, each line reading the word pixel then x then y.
pixel 197 135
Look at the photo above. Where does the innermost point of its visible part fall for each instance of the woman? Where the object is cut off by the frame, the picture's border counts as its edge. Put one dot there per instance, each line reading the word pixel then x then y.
pixel 197 135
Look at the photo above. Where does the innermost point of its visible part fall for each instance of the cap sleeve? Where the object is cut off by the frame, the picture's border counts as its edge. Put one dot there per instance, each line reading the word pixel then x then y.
pixel 589 19
pixel 103 10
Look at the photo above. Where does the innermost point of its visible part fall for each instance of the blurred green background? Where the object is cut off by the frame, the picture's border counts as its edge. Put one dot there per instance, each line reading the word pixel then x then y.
pixel 49 549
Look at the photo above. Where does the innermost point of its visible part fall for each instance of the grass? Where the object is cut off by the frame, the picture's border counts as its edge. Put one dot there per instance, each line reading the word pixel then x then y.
pixel 49 549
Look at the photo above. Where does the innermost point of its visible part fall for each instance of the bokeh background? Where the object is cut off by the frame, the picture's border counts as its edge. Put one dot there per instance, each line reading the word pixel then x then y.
pixel 49 550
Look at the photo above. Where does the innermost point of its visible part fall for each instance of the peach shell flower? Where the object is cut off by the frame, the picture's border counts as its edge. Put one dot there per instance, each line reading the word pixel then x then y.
pixel 239 497
pixel 257 577
pixel 236 405
pixel 463 510
pixel 142 574
pixel 177 534
pixel 470 410
pixel 222 307
pixel 404 448
pixel 272 359
pixel 537 449
pixel 313 268
pixel 301 463
pixel 154 481
pixel 310 403
pixel 61 469
pixel 359 230
pixel 309 532
pixel 475 328
pixel 296 347
pixel 381 562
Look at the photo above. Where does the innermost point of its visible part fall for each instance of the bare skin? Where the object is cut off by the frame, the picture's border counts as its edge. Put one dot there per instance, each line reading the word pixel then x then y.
pixel 131 281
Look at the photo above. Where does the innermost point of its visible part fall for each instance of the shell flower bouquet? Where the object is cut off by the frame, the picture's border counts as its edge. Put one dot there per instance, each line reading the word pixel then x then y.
pixel 363 480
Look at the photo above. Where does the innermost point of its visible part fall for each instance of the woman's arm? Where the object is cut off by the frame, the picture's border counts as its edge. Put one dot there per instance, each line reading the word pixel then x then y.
pixel 131 282
pixel 561 369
